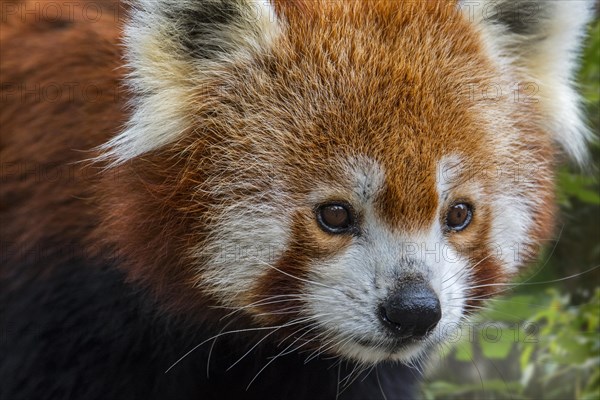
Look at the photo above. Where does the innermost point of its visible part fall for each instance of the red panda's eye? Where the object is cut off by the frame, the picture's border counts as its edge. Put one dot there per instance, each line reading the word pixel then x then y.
pixel 459 216
pixel 335 218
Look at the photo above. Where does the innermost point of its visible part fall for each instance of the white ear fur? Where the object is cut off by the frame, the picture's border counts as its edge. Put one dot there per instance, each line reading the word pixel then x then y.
pixel 173 48
pixel 542 39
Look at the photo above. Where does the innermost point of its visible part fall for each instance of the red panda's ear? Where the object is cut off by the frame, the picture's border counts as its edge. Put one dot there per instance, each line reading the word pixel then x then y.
pixel 173 49
pixel 540 42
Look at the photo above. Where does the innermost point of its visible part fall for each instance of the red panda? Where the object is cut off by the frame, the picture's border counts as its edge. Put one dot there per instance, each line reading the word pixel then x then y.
pixel 249 199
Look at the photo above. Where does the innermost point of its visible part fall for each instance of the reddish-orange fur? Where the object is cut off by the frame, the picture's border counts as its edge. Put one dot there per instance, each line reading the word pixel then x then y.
pixel 143 211
pixel 49 127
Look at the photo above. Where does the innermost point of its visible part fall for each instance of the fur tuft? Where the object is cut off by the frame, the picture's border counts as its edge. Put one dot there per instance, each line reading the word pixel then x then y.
pixel 174 50
pixel 541 41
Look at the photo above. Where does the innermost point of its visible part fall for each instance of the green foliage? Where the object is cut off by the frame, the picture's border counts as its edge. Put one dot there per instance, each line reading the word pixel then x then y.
pixel 589 74
pixel 553 351
pixel 573 185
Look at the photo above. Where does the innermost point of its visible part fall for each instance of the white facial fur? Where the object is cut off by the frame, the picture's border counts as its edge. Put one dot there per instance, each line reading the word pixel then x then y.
pixel 343 292
pixel 353 284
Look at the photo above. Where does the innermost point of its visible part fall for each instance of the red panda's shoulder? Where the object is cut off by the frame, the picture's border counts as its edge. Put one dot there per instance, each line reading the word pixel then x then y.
pixel 60 97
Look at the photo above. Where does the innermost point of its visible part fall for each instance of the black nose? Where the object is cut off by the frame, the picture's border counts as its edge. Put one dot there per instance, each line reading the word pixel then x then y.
pixel 412 310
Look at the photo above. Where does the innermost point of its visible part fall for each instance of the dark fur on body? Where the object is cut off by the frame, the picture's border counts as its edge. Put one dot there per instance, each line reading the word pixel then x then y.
pixel 90 336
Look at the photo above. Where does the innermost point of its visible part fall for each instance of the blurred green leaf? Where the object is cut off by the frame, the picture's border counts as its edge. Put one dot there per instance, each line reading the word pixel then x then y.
pixel 579 186
pixel 464 352
pixel 498 347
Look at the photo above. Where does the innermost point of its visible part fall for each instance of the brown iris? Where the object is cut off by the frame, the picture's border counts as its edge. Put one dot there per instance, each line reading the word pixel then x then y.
pixel 335 218
pixel 459 216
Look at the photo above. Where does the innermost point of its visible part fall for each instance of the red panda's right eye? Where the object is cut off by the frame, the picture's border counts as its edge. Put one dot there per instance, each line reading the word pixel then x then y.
pixel 335 218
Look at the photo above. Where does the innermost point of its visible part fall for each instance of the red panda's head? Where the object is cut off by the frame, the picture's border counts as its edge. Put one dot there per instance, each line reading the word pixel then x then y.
pixel 360 174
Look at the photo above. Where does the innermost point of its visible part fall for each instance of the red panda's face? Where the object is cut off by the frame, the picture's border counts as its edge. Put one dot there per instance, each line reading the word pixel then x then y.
pixel 360 188
pixel 372 234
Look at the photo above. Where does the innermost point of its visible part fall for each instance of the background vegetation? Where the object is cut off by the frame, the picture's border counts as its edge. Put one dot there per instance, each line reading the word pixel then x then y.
pixel 542 340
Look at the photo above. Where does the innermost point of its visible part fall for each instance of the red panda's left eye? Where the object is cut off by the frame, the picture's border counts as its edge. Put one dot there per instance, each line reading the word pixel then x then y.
pixel 459 216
